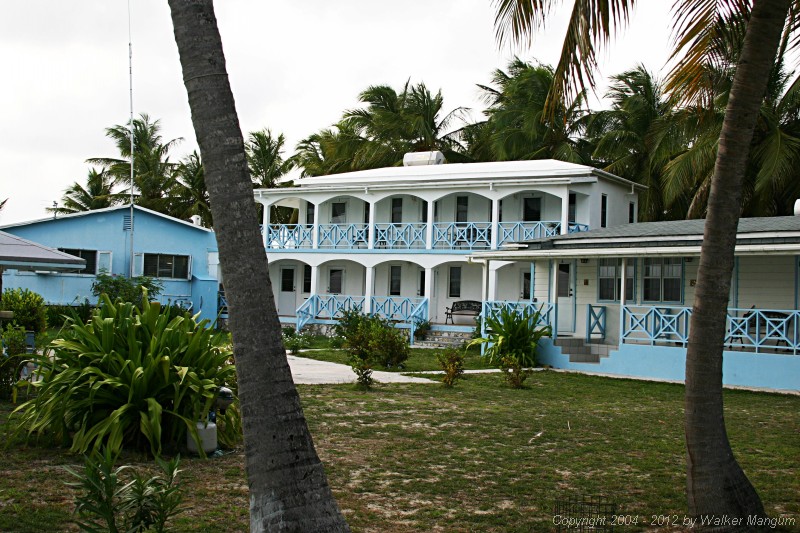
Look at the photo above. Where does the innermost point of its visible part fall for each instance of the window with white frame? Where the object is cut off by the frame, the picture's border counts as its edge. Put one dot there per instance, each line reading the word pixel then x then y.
pixel 307 278
pixel 662 279
pixel 609 272
pixel 166 266
pixel 454 283
pixel 96 261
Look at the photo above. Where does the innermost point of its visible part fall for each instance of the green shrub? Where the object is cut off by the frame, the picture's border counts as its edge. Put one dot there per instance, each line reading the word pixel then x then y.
pixel 512 341
pixel 128 377
pixel 126 289
pixel 57 315
pixel 452 363
pixel 109 503
pixel 372 339
pixel 28 307
pixel 11 360
pixel 295 342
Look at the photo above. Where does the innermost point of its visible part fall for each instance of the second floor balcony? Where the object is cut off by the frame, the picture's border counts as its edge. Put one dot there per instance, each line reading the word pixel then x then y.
pixel 440 236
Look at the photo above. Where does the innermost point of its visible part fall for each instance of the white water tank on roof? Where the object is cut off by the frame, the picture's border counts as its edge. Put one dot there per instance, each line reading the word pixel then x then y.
pixel 797 208
pixel 414 159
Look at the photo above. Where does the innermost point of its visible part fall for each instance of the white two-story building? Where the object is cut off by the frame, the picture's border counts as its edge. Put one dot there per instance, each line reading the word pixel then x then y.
pixel 397 241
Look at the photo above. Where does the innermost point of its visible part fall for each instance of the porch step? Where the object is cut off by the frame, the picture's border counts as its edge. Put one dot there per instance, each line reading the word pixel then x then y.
pixel 444 339
pixel 581 352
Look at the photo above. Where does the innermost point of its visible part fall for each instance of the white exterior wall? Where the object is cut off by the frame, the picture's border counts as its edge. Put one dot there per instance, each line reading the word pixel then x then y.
pixel 409 279
pixel 768 282
pixel 471 284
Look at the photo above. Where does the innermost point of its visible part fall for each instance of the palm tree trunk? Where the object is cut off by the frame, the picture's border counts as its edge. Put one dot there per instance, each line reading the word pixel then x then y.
pixel 288 487
pixel 716 485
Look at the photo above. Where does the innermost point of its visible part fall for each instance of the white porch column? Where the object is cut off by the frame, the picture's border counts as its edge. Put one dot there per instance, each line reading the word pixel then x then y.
pixel 565 212
pixel 315 236
pixel 264 223
pixel 554 281
pixel 623 298
pixel 429 293
pixel 491 283
pixel 314 278
pixel 429 231
pixel 368 286
pixel 371 226
pixel 495 223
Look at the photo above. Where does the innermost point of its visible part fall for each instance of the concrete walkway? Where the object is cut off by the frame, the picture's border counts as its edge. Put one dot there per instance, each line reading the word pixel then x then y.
pixel 312 372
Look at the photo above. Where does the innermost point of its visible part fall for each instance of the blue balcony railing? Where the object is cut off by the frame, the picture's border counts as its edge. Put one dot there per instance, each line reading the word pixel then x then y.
pixel 746 329
pixel 462 235
pixel 410 236
pixel 326 307
pixel 283 236
pixel 395 308
pixel 400 236
pixel 343 235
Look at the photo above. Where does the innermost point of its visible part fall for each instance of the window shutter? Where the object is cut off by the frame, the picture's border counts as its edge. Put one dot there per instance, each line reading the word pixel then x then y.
pixel 189 268
pixel 138 264
pixel 103 262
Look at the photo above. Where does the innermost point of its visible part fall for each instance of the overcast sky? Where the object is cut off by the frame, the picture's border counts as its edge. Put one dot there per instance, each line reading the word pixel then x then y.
pixel 294 66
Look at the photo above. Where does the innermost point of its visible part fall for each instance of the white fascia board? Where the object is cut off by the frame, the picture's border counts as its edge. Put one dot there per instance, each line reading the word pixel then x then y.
pixel 650 251
pixel 668 238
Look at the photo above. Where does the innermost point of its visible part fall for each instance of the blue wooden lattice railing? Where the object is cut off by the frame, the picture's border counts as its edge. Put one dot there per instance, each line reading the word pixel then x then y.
pixel 400 236
pixel 282 236
pixel 749 329
pixel 595 322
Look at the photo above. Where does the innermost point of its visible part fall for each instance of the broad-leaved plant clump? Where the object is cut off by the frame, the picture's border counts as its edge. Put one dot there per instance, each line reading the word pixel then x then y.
pixel 129 377
pixel 512 341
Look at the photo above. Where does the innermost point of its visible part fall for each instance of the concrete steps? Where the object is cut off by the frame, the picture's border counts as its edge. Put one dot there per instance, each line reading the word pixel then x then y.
pixel 444 339
pixel 580 351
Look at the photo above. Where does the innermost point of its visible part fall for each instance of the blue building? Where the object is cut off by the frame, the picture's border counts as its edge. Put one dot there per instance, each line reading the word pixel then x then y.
pixel 180 255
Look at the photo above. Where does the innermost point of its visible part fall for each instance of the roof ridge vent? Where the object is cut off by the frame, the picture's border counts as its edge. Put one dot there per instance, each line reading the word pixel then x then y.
pixel 414 159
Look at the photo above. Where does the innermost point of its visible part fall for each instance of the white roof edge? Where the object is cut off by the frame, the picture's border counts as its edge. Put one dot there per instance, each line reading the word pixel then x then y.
pixel 487 171
pixel 105 210
pixel 639 251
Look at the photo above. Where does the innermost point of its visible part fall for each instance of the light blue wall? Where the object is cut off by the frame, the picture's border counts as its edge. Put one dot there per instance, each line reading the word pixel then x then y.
pixel 104 231
pixel 769 371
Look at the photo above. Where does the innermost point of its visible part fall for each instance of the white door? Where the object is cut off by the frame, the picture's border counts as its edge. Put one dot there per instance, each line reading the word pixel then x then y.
pixel 287 295
pixel 565 297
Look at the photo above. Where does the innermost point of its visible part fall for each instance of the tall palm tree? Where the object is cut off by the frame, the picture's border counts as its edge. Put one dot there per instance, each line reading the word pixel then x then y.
pixel 189 196
pixel 265 159
pixel 772 178
pixel 636 137
pixel 520 127
pixel 97 194
pixel 716 485
pixel 267 166
pixel 378 135
pixel 288 487
pixel 154 173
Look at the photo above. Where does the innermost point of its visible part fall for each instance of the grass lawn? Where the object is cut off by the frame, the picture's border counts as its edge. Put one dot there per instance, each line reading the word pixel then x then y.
pixel 419 359
pixel 479 457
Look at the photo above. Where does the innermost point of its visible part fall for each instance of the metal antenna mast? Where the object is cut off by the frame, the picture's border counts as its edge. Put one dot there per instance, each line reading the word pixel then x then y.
pixel 130 83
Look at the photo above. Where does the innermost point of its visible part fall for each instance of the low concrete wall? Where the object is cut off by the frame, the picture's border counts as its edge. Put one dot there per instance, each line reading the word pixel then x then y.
pixel 768 371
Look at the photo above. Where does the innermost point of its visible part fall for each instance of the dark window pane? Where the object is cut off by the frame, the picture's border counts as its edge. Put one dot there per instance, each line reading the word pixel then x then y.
pixel 165 266
pixel 607 286
pixel 335 279
pixel 307 278
pixel 394 280
pixel 338 212
pixel 531 209
pixel 181 267
pixel 309 214
pixel 397 210
pixel 672 290
pixel 526 286
pixel 90 256
pixel 563 281
pixel 603 211
pixel 150 265
pixel 287 280
pixel 571 208
pixel 651 288
pixel 631 212
pixel 462 208
pixel 454 287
